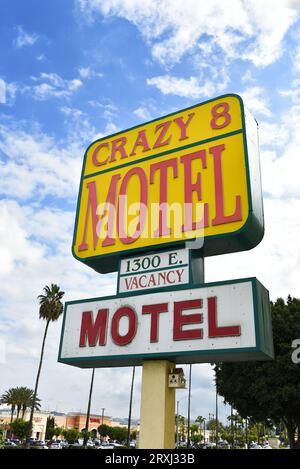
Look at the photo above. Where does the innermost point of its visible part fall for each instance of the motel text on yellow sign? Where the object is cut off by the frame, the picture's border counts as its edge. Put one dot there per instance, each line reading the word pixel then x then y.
pixel 191 175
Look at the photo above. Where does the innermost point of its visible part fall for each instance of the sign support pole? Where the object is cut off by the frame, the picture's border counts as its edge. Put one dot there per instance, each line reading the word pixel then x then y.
pixel 157 427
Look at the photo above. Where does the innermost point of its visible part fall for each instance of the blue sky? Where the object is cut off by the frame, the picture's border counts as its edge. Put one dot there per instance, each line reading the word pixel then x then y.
pixel 74 70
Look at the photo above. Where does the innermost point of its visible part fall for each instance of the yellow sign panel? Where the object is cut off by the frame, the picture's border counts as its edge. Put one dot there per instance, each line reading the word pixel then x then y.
pixel 187 176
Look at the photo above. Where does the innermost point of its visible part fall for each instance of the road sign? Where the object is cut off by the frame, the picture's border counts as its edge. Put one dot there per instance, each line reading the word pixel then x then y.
pixel 193 174
pixel 164 269
pixel 225 321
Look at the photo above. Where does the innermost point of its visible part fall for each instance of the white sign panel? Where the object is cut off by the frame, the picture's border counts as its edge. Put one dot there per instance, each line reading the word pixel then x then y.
pixel 154 271
pixel 188 325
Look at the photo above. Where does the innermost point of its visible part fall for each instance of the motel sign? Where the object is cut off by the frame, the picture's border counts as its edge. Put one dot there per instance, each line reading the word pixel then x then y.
pixel 190 175
pixel 153 202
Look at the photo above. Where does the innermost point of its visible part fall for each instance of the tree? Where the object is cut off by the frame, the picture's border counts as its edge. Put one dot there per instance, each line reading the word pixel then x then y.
pixel 71 434
pixel 9 399
pixel 201 421
pixel 270 389
pixel 1 438
pixel 195 437
pixel 20 428
pixel 105 430
pixel 19 398
pixel 119 434
pixel 50 428
pixel 58 431
pixel 50 310
pixel 86 435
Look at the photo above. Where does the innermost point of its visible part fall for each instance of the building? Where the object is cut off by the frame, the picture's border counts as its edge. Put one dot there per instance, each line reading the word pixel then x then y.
pixel 78 420
pixel 39 422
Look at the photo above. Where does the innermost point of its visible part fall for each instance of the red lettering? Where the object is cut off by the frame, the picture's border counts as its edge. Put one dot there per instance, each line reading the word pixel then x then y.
pixel 164 126
pixel 155 311
pixel 142 285
pixel 110 205
pixel 163 166
pixel 92 331
pixel 125 339
pixel 122 207
pixel 118 146
pixel 189 188
pixel 95 160
pixel 220 217
pixel 183 125
pixel 180 320
pixel 169 274
pixel 213 329
pixel 91 207
pixel 141 140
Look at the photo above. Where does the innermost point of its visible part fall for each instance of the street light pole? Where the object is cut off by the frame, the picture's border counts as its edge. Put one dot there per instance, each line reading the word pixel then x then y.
pixel 103 409
pixel 177 425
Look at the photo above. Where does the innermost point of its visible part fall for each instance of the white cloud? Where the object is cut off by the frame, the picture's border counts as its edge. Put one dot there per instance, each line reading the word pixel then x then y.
pixel 36 165
pixel 87 72
pixel 293 92
pixel 142 113
pixel 2 91
pixel 24 38
pixel 52 86
pixel 256 100
pixel 174 28
pixel 185 87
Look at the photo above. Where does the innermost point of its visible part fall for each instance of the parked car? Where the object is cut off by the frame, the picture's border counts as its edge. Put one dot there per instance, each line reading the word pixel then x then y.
pixel 55 445
pixel 106 445
pixel 9 443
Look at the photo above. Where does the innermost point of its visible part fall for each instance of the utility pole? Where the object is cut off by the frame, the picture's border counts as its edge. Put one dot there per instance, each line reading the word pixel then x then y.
pixel 130 407
pixel 189 409
pixel 217 429
pixel 177 425
pixel 103 409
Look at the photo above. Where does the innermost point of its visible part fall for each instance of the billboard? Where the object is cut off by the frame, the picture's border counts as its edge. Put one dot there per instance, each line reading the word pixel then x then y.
pixel 224 321
pixel 190 175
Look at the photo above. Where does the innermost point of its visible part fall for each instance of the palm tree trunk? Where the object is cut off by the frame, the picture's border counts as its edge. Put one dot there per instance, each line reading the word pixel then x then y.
pixel 130 406
pixel 18 411
pixel 89 409
pixel 189 408
pixel 23 412
pixel 36 386
pixel 12 413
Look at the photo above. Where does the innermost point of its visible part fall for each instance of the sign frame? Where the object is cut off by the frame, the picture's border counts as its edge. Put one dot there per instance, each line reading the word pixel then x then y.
pixel 158 253
pixel 245 238
pixel 263 334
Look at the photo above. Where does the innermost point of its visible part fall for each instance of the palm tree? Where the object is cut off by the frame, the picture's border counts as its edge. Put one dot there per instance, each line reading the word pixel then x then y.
pixel 9 398
pixel 27 400
pixel 87 422
pixel 201 421
pixel 19 398
pixel 50 310
pixel 130 407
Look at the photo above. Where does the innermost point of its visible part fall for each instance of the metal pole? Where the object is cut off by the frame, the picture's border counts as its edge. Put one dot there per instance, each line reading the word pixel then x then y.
pixel 189 408
pixel 216 416
pixel 177 425
pixel 204 430
pixel 130 406
pixel 89 409
pixel 103 409
pixel 231 428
